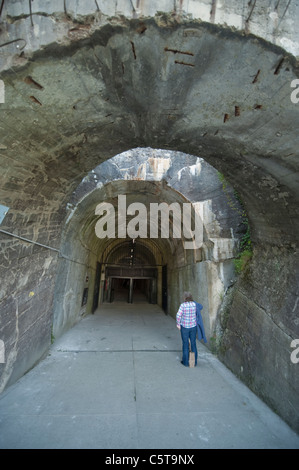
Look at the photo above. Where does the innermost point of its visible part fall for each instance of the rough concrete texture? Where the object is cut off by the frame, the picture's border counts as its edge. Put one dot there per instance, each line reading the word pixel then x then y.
pixel 85 83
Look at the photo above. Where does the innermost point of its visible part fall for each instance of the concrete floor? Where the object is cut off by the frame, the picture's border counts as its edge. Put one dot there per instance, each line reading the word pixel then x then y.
pixel 115 381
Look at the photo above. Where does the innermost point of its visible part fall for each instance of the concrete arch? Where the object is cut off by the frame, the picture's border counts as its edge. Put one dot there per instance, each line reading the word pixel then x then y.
pixel 94 86
pixel 156 177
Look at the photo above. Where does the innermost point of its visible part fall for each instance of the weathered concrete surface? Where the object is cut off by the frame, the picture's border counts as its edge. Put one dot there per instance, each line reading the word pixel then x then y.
pixel 115 381
pixel 82 89
pixel 257 312
pixel 41 23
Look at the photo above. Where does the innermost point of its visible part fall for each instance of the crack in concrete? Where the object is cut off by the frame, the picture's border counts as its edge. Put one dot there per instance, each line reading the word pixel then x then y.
pixel 265 311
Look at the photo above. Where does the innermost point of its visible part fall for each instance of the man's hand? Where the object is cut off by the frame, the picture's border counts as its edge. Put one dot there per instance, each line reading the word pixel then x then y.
pixel 178 327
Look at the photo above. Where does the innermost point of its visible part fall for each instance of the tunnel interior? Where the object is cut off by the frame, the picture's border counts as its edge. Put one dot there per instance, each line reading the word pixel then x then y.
pixel 216 97
pixel 150 263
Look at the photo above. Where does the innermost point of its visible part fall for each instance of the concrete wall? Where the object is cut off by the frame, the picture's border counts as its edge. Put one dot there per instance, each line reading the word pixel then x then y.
pixel 202 280
pixel 269 19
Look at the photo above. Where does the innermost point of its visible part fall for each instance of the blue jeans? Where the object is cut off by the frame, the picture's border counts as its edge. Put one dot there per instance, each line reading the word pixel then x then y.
pixel 188 333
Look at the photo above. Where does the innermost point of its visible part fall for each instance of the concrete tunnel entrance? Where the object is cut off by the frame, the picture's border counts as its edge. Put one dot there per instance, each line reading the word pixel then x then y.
pixel 216 86
pixel 155 267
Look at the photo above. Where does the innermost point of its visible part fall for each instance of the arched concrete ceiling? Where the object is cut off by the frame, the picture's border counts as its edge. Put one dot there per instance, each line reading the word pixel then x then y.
pixel 81 226
pixel 194 87
pixel 148 177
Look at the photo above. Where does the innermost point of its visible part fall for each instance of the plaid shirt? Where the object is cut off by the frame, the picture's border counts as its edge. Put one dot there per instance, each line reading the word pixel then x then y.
pixel 186 315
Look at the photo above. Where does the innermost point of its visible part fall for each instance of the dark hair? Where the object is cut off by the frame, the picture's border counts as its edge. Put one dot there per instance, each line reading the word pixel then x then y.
pixel 188 297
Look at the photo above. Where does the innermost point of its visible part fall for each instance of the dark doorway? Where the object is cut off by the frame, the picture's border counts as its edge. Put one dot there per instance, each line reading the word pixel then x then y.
pixel 132 290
